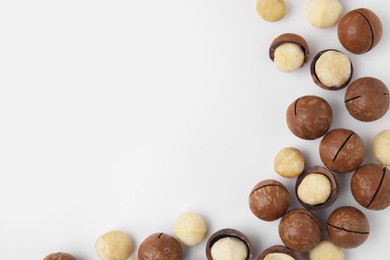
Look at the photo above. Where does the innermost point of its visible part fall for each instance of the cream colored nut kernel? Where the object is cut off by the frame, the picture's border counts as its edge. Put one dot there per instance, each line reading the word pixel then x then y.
pixel 114 245
pixel 326 250
pixel 190 228
pixel 333 68
pixel 271 10
pixel 289 57
pixel 323 13
pixel 289 162
pixel 381 147
pixel 229 248
pixel 278 256
pixel 314 189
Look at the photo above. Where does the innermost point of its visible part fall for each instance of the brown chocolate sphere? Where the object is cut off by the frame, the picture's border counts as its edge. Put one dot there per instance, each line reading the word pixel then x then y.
pixel 269 200
pixel 347 227
pixel 59 256
pixel 280 250
pixel 309 117
pixel 370 186
pixel 367 99
pixel 300 230
pixel 342 150
pixel 160 246
pixel 360 30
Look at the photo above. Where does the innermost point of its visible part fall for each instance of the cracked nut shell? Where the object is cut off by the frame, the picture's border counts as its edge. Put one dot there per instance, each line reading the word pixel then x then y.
pixel 370 186
pixel 60 256
pixel 347 227
pixel 278 249
pixel 160 246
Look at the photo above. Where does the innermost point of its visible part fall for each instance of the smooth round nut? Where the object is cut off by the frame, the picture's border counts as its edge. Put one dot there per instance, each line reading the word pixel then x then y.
pixel 271 10
pixel 323 13
pixel 289 52
pixel 309 117
pixel 370 186
pixel 160 246
pixel 360 30
pixel 342 150
pixel 289 162
pixel 367 99
pixel 190 228
pixel 347 227
pixel 331 69
pixel 60 256
pixel 326 250
pixel 229 244
pixel 269 200
pixel 114 245
pixel 278 252
pixel 300 230
pixel 381 147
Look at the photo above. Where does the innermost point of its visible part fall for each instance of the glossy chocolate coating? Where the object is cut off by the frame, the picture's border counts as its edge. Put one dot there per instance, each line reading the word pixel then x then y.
pixel 160 246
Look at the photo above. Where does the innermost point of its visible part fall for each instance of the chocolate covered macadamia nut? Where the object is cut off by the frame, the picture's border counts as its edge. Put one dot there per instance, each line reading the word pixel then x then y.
pixel 331 69
pixel 269 200
pixel 326 250
pixel 114 245
pixel 381 147
pixel 289 162
pixel 300 230
pixel 367 99
pixel 370 186
pixel 160 246
pixel 60 256
pixel 289 52
pixel 323 13
pixel 309 117
pixel 360 30
pixel 190 228
pixel 271 10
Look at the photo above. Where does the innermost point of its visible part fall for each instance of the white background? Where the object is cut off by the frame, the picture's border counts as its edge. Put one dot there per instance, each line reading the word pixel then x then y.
pixel 125 114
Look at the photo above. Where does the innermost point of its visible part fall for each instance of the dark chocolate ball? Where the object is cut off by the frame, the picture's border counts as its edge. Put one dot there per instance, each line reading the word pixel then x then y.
pixel 309 117
pixel 370 186
pixel 360 30
pixel 60 256
pixel 160 246
pixel 342 150
pixel 367 99
pixel 347 227
pixel 269 200
pixel 300 230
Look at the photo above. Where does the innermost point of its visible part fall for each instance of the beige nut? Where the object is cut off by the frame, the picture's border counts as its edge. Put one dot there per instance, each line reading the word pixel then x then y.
pixel 278 256
pixel 114 245
pixel 289 57
pixel 271 10
pixel 229 248
pixel 289 162
pixel 314 189
pixel 381 147
pixel 190 228
pixel 326 250
pixel 323 13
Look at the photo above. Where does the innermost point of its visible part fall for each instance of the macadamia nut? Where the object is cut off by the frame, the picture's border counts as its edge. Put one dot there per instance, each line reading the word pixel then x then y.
pixel 289 57
pixel 229 248
pixel 326 250
pixel 114 245
pixel 314 189
pixel 381 147
pixel 190 228
pixel 271 10
pixel 333 68
pixel 323 13
pixel 278 256
pixel 289 162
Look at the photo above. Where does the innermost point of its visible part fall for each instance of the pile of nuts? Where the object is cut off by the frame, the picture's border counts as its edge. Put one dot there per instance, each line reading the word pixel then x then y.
pixel 341 150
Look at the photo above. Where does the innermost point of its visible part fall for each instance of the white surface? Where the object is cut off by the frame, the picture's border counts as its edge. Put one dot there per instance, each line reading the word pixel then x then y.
pixel 124 114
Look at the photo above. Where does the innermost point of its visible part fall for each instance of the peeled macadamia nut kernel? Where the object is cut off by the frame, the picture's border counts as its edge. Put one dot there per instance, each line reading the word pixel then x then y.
pixel 190 228
pixel 326 250
pixel 229 248
pixel 59 256
pixel 331 69
pixel 114 245
pixel 323 13
pixel 381 147
pixel 289 162
pixel 314 189
pixel 288 57
pixel 271 10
